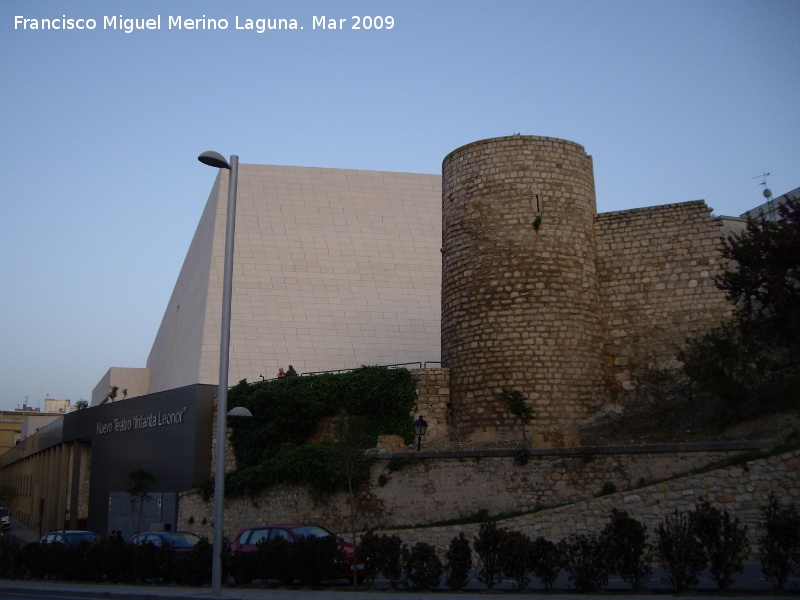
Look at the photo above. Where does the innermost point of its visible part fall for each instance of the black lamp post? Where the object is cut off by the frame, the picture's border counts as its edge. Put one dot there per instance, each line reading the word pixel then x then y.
pixel 420 426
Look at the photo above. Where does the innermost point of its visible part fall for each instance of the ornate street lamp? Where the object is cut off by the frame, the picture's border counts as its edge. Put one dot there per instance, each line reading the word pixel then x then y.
pixel 420 427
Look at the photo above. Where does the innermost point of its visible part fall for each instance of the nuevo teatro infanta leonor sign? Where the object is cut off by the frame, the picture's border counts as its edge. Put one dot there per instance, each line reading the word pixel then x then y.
pixel 141 421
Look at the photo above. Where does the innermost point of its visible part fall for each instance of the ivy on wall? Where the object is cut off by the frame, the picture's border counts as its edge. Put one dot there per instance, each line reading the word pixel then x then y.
pixel 273 446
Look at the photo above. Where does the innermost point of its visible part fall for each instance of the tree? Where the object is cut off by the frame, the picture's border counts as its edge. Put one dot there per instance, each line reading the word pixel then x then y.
pixel 723 539
pixel 679 552
pixel 515 557
pixel 459 562
pixel 7 494
pixel 765 282
pixel 628 550
pixel 487 547
pixel 779 547
pixel 351 466
pixel 760 348
pixel 586 561
pixel 515 401
pixel 81 404
pixel 139 485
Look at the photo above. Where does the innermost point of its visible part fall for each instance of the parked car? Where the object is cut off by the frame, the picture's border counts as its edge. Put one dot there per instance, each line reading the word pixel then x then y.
pixel 5 519
pixel 68 537
pixel 179 541
pixel 188 535
pixel 248 538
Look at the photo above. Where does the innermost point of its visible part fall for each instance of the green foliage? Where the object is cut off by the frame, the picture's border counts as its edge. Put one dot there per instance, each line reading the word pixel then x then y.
pixel 608 488
pixel 487 547
pixel 779 546
pixel 459 562
pixel 585 559
pixel 515 401
pixel 422 568
pixel 628 550
pixel 369 551
pixel 317 559
pixel 7 494
pixel 140 483
pixel 730 362
pixel 382 554
pixel 273 447
pixel 398 463
pixel 391 557
pixel 680 553
pixel 515 557
pixel 756 354
pixel 724 541
pixel 546 561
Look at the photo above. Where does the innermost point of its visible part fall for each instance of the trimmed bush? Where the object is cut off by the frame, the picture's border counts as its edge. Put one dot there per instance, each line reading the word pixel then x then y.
pixel 487 547
pixel 586 561
pixel 680 553
pixel 546 561
pixel 459 562
pixel 724 541
pixel 629 553
pixel 422 568
pixel 779 547
pixel 515 557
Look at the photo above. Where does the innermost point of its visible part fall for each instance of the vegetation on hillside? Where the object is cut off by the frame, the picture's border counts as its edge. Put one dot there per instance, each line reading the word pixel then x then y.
pixel 296 432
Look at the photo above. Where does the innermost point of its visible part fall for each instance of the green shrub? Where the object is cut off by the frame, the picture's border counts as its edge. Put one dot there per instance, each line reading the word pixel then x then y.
pixel 679 552
pixel 391 560
pixel 317 559
pixel 546 561
pixel 422 568
pixel 779 546
pixel 487 547
pixel 515 557
pixel 459 562
pixel 724 541
pixel 382 554
pixel 369 552
pixel 628 550
pixel 272 447
pixel 586 561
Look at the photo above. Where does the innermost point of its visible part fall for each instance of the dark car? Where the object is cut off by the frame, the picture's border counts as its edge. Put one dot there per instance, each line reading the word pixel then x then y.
pixel 248 538
pixel 5 519
pixel 178 541
pixel 68 537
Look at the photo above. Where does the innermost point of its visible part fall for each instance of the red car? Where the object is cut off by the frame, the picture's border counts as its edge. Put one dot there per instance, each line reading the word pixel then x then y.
pixel 248 538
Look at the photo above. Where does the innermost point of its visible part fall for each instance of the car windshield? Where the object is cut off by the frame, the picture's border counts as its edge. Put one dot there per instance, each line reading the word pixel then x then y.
pixel 188 536
pixel 178 542
pixel 310 531
pixel 73 538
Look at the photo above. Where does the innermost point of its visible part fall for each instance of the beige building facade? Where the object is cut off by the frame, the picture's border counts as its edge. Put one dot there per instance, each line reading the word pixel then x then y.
pixel 333 269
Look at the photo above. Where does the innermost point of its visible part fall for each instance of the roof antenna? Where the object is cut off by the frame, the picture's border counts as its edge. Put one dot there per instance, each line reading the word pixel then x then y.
pixel 767 193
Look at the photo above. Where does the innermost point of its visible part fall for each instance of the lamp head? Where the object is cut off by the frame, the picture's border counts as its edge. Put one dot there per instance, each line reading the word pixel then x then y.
pixel 420 426
pixel 213 159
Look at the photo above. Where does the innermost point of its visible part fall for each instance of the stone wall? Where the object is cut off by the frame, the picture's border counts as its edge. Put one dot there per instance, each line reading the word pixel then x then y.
pixel 430 487
pixel 742 490
pixel 656 269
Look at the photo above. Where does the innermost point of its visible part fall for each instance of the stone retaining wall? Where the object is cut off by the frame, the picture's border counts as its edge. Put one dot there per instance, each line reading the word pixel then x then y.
pixel 742 490
pixel 434 487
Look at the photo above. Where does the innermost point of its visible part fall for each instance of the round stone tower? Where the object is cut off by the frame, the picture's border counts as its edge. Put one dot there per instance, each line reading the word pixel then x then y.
pixel 519 287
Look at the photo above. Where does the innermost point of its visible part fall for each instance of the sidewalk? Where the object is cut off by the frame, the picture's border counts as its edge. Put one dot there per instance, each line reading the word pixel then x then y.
pixel 141 592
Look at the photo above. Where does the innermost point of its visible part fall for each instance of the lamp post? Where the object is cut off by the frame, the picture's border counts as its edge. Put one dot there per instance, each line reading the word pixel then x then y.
pixel 420 427
pixel 214 159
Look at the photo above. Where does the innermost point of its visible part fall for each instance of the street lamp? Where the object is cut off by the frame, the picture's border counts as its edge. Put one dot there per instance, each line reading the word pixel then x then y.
pixel 420 427
pixel 214 159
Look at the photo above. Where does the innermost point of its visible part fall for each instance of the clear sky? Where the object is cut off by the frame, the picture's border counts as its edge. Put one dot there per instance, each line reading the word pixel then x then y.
pixel 101 191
